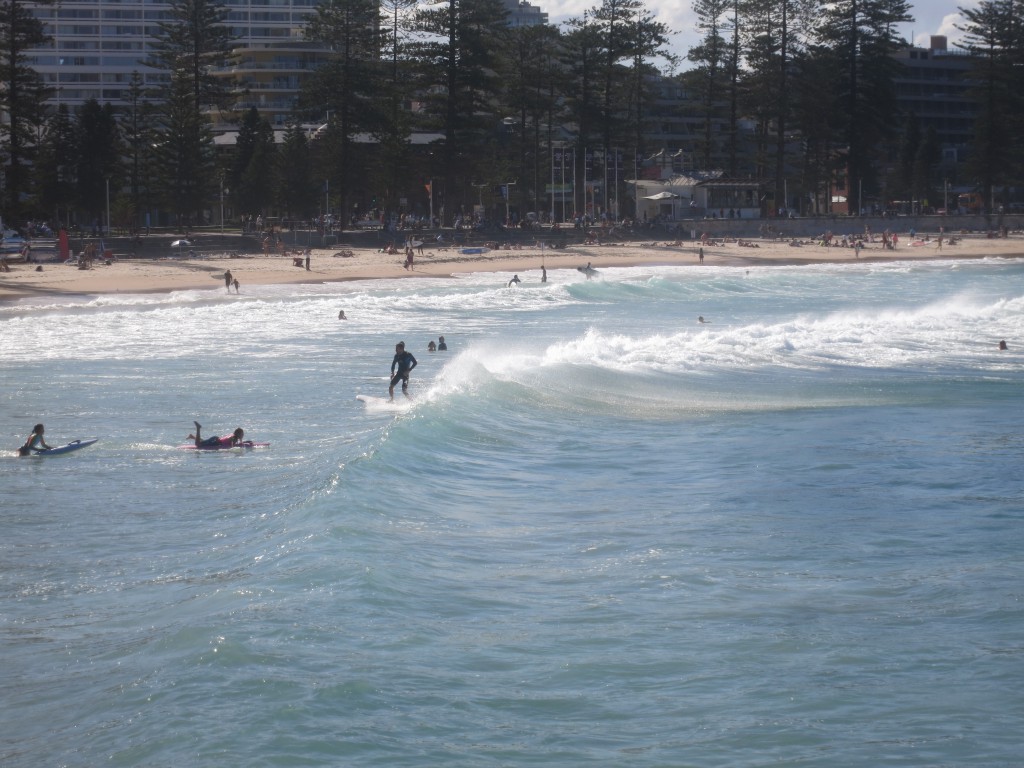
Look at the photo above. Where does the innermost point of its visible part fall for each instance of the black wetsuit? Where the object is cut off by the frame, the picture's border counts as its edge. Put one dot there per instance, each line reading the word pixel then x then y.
pixel 404 362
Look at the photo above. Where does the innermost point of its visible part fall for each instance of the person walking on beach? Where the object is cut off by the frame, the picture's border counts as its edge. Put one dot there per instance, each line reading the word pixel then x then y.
pixel 401 367
pixel 227 280
pixel 543 274
pixel 308 257
pixel 35 441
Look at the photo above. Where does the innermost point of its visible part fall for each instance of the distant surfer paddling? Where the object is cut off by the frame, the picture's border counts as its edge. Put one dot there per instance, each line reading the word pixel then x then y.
pixel 401 367
pixel 228 441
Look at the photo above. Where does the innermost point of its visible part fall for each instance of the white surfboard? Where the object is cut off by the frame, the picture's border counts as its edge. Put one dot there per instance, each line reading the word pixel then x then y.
pixel 71 447
pixel 381 404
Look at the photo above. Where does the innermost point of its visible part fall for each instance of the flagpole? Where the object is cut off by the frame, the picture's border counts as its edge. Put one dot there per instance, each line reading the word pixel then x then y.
pixel 430 187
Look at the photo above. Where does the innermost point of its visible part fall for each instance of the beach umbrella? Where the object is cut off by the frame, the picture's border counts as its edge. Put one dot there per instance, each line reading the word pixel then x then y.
pixel 666 195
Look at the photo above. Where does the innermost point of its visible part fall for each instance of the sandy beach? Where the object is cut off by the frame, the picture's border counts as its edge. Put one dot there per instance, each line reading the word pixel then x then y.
pixel 345 263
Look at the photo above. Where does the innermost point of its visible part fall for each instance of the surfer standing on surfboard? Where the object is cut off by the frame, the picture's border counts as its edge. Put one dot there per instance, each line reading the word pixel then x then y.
pixel 404 362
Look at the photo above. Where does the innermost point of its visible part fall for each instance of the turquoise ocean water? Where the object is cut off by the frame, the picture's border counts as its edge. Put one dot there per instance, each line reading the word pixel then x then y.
pixel 601 533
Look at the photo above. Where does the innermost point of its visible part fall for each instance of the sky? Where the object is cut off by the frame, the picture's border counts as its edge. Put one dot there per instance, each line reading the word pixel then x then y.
pixel 932 17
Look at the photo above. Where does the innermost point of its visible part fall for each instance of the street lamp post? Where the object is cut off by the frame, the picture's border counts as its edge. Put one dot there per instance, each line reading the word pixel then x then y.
pixel 222 204
pixel 553 181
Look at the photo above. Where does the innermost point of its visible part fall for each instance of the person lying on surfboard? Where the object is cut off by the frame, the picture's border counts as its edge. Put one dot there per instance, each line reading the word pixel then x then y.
pixel 35 441
pixel 228 441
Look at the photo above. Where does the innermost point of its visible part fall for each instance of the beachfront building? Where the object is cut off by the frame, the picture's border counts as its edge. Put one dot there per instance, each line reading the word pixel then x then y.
pixel 523 14
pixel 697 195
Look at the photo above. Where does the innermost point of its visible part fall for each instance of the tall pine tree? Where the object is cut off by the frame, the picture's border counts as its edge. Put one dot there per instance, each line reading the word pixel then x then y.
pixel 461 60
pixel 192 40
pixel 995 36
pixel 21 100
pixel 862 33
pixel 345 86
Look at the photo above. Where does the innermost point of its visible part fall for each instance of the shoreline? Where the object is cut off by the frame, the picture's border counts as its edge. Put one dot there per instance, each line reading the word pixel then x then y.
pixel 165 275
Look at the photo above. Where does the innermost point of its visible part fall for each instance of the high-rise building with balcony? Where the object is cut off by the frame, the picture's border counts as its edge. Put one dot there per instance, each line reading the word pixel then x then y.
pixel 935 85
pixel 97 45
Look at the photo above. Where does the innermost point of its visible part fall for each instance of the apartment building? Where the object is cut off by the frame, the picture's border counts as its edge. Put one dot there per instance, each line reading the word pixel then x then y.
pixel 96 46
pixel 935 85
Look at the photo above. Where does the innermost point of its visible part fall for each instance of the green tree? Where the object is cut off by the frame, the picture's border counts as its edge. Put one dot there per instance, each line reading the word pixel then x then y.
pixel 650 43
pixel 185 160
pixel 710 56
pixel 461 70
pixel 296 189
pixel 249 175
pixel 818 124
pixel 863 34
pixel 98 145
pixel 137 125
pixel 54 173
pixel 21 99
pixel 995 37
pixel 345 86
pixel 776 33
pixel 532 79
pixel 393 122
pixel 582 47
pixel 191 41
pixel 628 39
pixel 253 166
